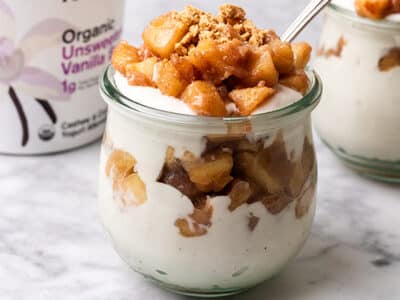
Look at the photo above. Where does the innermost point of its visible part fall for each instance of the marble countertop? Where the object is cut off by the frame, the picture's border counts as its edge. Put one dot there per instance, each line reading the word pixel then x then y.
pixel 52 245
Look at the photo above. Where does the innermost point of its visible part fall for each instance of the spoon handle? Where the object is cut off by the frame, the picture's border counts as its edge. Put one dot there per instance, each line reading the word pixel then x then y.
pixel 311 10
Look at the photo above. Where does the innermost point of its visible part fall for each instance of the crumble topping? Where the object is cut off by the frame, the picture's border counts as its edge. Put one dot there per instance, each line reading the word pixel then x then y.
pixel 213 63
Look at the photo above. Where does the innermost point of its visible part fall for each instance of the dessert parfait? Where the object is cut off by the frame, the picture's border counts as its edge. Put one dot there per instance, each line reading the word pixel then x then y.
pixel 359 61
pixel 208 170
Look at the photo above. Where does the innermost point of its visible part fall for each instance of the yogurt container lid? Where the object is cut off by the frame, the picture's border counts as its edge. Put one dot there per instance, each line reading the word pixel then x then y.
pixel 349 5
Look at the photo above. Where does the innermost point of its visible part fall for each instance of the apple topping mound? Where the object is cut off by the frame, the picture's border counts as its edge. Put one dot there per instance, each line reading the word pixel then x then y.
pixel 210 62
pixel 377 9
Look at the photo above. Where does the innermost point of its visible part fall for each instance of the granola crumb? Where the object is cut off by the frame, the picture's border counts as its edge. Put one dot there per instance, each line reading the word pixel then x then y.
pixel 231 14
pixel 231 23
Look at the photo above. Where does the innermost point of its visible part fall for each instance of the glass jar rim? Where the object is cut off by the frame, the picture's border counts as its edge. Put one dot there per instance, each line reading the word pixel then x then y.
pixel 113 96
pixel 384 24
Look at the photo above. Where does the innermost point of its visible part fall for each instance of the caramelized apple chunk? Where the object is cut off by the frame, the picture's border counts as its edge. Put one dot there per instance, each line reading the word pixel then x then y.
pixel 216 62
pixel 212 172
pixel 304 202
pixel 128 188
pixel 297 81
pixel 374 9
pixel 138 79
pixel 184 67
pixel 283 57
pixel 198 223
pixel 120 164
pixel 261 68
pixel 390 60
pixel 302 54
pixel 123 55
pixel 275 203
pixel 240 193
pixel 144 67
pixel 247 100
pixel 163 33
pixel 204 99
pixel 168 79
pixel 248 164
pixel 133 190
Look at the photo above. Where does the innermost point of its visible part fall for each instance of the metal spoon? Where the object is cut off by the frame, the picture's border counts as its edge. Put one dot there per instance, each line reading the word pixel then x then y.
pixel 311 10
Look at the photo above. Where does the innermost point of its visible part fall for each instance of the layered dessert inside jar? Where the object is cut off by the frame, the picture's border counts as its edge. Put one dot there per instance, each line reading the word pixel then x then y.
pixel 212 195
pixel 359 62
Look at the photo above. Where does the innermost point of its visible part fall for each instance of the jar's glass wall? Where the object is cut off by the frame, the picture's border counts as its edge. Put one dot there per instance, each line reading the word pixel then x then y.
pixel 229 206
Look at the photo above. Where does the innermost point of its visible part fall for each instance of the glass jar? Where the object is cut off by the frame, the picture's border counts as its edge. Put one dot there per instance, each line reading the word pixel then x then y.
pixel 51 57
pixel 359 63
pixel 207 206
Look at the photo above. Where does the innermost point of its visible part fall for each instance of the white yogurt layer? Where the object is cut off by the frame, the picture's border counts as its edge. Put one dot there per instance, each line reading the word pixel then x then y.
pixel 360 108
pixel 350 5
pixel 152 97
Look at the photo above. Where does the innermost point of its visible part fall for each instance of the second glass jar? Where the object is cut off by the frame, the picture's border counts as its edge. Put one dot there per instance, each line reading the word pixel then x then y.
pixel 359 62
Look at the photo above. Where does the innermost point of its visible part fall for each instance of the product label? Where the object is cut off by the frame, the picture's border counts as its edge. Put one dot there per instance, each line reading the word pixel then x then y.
pixel 51 57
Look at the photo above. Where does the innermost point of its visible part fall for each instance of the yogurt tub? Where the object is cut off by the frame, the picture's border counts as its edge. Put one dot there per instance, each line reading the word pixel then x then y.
pixel 223 245
pixel 50 62
pixel 359 62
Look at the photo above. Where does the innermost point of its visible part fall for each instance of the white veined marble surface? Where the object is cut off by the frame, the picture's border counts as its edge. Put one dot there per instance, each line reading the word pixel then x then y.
pixel 52 245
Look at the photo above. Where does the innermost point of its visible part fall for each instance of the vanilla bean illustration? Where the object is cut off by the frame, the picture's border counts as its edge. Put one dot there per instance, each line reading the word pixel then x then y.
pixel 48 109
pixel 21 115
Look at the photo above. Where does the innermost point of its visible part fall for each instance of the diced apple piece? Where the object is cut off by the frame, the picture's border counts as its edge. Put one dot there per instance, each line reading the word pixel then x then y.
pixel 239 194
pixel 282 55
pixel 145 52
pixel 390 60
pixel 164 33
pixel 247 100
pixel 168 79
pixel 184 67
pixel 275 204
pixel 212 173
pixel 262 68
pixel 297 180
pixel 297 81
pixel 145 67
pixel 204 99
pixel 190 230
pixel 217 62
pixel 138 79
pixel 248 165
pixel 373 9
pixel 120 164
pixel 203 215
pixel 207 58
pixel 302 54
pixel 304 202
pixel 133 190
pixel 123 55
